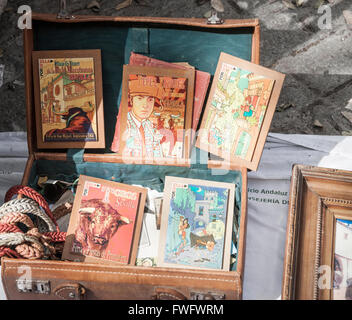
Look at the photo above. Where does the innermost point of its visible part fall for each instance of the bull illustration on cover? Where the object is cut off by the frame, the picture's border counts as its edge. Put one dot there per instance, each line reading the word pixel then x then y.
pixel 98 222
pixel 77 122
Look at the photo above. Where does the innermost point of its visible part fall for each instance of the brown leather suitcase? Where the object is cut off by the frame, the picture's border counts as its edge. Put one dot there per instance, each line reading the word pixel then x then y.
pixel 192 40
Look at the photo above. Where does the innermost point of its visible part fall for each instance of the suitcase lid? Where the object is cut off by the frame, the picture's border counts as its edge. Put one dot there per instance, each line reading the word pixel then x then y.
pixel 169 39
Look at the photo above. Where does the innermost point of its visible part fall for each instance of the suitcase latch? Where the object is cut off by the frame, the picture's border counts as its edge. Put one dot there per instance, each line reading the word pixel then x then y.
pixel 207 296
pixel 33 286
pixel 214 18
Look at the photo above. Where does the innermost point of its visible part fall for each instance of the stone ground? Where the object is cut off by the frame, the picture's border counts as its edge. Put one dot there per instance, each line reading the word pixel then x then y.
pixel 295 39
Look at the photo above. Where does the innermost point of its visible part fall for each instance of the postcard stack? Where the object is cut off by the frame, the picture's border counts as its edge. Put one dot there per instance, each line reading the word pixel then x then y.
pixel 160 109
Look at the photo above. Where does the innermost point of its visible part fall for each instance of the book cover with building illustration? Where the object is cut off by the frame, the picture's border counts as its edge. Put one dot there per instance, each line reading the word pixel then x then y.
pixel 156 112
pixel 196 224
pixel 237 108
pixel 66 97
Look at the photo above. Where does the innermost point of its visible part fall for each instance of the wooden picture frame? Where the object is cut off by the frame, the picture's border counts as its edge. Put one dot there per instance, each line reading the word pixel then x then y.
pixel 117 217
pixel 208 232
pixel 68 98
pixel 135 79
pixel 319 199
pixel 230 131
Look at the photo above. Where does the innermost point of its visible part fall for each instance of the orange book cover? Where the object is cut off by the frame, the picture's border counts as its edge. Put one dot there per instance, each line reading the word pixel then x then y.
pixel 156 112
pixel 105 222
pixel 202 80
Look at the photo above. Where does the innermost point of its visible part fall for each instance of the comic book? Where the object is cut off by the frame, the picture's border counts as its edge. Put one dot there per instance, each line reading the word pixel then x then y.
pixel 105 224
pixel 235 110
pixel 68 98
pixel 196 224
pixel 202 80
pixel 156 112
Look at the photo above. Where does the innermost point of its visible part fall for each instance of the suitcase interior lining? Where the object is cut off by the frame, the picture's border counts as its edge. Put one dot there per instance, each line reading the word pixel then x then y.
pixel 145 175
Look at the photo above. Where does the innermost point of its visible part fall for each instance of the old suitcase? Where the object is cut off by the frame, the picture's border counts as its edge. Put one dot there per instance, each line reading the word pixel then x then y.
pixel 191 40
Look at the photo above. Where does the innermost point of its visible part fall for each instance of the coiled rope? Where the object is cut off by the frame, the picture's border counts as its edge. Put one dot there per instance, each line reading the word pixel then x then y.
pixel 20 222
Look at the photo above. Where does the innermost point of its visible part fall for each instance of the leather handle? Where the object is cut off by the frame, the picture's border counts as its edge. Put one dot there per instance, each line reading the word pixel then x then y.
pixel 70 291
pixel 168 294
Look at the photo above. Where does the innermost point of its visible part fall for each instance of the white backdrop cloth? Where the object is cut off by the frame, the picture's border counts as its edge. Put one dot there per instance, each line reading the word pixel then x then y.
pixel 268 194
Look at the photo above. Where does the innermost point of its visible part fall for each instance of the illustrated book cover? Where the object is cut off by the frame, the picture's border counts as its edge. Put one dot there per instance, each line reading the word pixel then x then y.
pixel 106 221
pixel 239 109
pixel 202 80
pixel 156 113
pixel 68 99
pixel 196 224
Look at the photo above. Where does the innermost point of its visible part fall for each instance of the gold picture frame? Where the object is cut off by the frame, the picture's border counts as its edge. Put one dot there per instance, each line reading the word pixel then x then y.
pixel 320 199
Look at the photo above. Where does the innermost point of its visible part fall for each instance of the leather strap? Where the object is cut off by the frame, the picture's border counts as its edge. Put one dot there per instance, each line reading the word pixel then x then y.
pixel 167 294
pixel 70 291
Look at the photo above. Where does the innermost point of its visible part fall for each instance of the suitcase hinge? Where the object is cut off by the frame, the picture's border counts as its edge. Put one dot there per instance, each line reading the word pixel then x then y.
pixel 207 296
pixel 33 286
pixel 63 12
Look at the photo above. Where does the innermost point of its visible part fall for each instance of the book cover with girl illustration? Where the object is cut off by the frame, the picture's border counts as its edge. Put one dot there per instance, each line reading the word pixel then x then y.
pixel 196 223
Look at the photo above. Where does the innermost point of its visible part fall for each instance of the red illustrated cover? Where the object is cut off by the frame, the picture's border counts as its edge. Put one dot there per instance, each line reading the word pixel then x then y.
pixel 202 80
pixel 105 222
pixel 117 201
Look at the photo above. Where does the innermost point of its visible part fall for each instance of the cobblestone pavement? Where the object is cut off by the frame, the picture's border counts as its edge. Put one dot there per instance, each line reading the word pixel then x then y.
pixel 308 40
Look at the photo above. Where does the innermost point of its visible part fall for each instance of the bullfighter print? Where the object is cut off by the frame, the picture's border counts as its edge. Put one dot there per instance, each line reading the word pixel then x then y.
pixel 142 138
pixel 153 115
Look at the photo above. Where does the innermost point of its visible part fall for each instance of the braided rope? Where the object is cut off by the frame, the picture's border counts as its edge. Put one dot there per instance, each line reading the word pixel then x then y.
pixel 16 238
pixel 30 252
pixel 30 244
pixel 21 205
pixel 4 251
pixel 6 228
pixel 56 236
pixel 15 201
pixel 27 206
pixel 15 217
pixel 30 193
